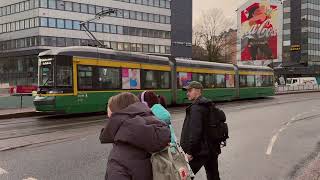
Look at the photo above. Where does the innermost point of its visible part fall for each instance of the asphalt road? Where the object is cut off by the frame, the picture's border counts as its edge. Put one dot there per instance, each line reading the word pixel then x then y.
pixel 273 138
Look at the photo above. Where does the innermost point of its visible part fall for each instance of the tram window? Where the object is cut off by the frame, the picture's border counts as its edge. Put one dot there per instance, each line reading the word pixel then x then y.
pixel 259 81
pixel 243 80
pixel 267 81
pixel 220 81
pixel 230 81
pixel 155 79
pixel 209 81
pixel 85 77
pixel 198 77
pixel 64 73
pixel 108 78
pixel 251 81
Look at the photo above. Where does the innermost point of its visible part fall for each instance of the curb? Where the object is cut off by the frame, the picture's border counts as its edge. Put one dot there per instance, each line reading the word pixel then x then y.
pixel 296 92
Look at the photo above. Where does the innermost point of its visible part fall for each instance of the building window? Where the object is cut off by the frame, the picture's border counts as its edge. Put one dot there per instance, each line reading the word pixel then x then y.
pixel 151 48
pixel 76 25
pixel 61 42
pixel 120 29
pixel 22 25
pixel 52 22
pixel 92 9
pixel 132 1
pixel 113 29
pixel 76 7
pixel 60 23
pixel 60 5
pixel 133 15
pixel 126 46
pixel 17 26
pixel 139 47
pixel 151 3
pixel 120 46
pixel 84 8
pixel 99 27
pixel 98 9
pixel 44 3
pixel 27 5
pixel 168 4
pixel 145 2
pixel 68 24
pixel 157 3
pixel 162 3
pixel 162 19
pixel 92 26
pixel 145 16
pixel 133 47
pixel 69 42
pixel 145 48
pixel 151 17
pixel 157 18
pixel 126 14
pixel 68 6
pixel 139 16
pixel 132 31
pixel 138 1
pixel 114 45
pixel 52 4
pixel 168 20
pixel 106 28
pixel 22 7
pixel 119 13
pixel 26 23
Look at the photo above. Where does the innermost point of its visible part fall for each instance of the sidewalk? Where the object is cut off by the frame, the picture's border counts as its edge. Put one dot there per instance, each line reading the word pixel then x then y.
pixel 311 172
pixel 17 113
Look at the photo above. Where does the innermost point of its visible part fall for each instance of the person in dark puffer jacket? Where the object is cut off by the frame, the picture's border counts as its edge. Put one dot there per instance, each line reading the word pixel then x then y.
pixel 135 134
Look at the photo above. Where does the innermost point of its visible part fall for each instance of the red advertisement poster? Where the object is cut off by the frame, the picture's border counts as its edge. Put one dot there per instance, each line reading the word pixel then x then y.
pixel 259 32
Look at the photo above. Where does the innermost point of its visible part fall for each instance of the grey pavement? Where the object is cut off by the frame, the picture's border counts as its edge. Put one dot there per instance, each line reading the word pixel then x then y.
pixel 270 139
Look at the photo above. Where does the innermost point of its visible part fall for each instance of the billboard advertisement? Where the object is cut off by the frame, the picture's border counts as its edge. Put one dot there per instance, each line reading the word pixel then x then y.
pixel 260 32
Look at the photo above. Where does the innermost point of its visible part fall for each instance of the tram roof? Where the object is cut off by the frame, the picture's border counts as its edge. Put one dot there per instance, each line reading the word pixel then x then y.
pixel 94 52
pixel 254 68
pixel 203 64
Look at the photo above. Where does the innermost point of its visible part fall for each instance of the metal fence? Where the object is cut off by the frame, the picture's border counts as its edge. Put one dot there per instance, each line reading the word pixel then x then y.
pixel 298 88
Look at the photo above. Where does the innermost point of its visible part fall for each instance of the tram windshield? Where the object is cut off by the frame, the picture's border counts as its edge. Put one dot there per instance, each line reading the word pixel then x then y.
pixel 55 74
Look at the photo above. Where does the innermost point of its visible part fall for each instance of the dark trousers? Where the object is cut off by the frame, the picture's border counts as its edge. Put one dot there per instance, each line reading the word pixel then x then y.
pixel 210 164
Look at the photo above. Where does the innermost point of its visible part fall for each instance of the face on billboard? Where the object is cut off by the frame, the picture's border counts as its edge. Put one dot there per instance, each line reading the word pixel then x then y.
pixel 258 27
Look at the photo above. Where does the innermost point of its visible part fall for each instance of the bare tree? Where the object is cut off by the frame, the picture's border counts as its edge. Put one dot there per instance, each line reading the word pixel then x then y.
pixel 208 33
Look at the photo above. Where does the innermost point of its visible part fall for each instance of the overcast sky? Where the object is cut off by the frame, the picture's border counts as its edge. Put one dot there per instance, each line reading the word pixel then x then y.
pixel 228 7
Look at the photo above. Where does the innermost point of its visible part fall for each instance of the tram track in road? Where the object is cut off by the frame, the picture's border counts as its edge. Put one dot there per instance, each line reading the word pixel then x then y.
pixel 47 125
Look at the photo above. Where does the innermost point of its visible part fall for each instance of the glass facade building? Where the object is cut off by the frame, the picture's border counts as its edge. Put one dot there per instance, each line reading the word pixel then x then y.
pixel 28 27
pixel 301 32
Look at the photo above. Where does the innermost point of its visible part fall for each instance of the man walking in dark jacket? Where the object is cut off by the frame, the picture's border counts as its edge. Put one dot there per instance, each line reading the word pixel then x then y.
pixel 193 136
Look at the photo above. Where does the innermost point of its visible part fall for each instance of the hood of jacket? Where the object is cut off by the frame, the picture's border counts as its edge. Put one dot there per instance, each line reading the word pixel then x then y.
pixel 161 113
pixel 136 125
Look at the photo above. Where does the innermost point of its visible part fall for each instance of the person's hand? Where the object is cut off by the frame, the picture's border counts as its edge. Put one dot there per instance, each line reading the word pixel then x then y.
pixel 189 157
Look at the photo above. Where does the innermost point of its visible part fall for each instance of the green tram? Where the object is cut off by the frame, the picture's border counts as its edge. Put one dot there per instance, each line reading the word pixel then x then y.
pixel 81 79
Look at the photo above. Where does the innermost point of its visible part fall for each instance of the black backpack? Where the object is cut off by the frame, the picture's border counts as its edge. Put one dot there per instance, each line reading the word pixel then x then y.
pixel 216 127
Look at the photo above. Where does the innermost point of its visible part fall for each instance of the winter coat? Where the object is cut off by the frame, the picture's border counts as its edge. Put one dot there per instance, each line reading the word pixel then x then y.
pixel 163 115
pixel 135 134
pixel 193 136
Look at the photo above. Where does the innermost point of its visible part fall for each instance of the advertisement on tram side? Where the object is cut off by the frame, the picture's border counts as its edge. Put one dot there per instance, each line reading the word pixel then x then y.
pixel 260 32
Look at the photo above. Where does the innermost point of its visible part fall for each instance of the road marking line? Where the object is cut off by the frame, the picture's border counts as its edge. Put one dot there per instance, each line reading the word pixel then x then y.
pixel 30 178
pixel 275 137
pixel 271 144
pixel 2 171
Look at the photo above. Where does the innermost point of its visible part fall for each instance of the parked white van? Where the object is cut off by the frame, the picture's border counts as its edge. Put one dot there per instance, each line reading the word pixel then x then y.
pixel 302 81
